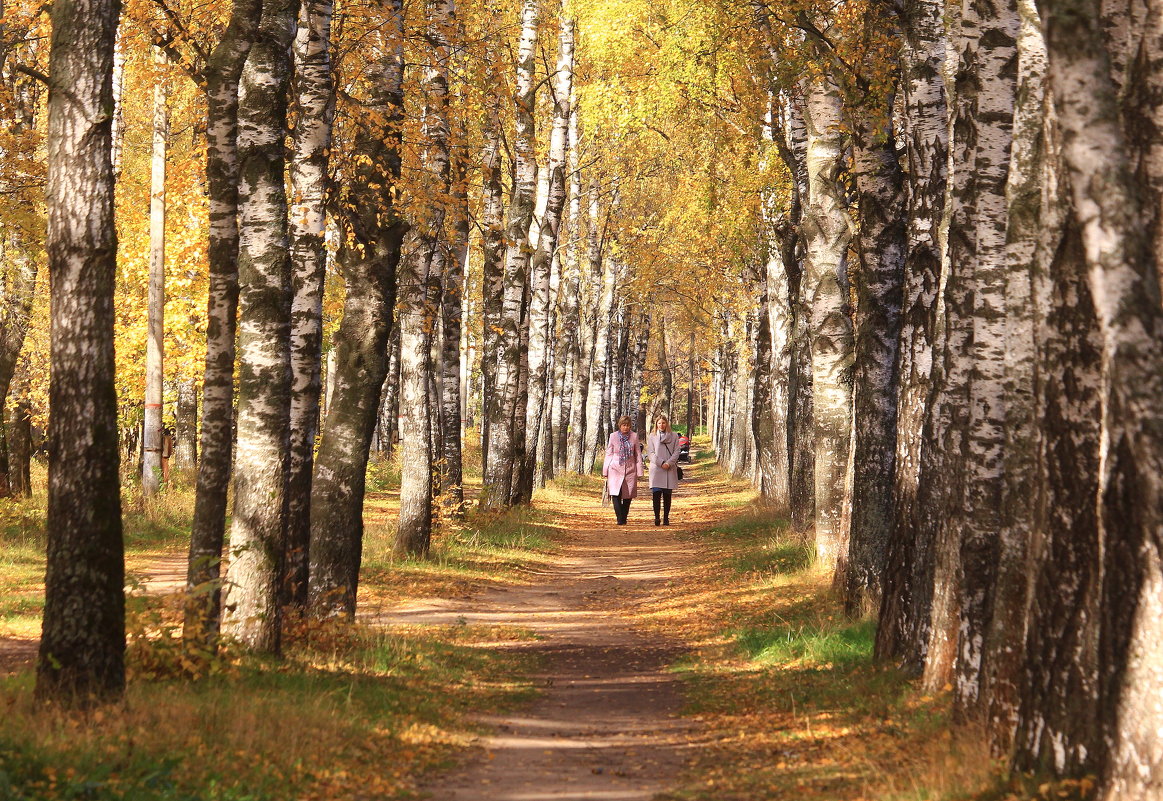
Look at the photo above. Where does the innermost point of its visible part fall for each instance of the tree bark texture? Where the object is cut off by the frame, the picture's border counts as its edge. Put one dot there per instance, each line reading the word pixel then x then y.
pixel 598 387
pixel 258 524
pixel 82 647
pixel 419 309
pixel 882 248
pixel 452 319
pixel 492 268
pixel 369 252
pixel 1004 646
pixel 899 632
pixel 1057 722
pixel 223 74
pixel 1124 283
pixel 570 312
pixel 499 470
pixel 827 231
pixel 186 428
pixel 546 246
pixel 314 99
pixel 801 425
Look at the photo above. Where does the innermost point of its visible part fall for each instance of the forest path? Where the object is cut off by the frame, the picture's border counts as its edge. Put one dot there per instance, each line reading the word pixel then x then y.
pixel 607 724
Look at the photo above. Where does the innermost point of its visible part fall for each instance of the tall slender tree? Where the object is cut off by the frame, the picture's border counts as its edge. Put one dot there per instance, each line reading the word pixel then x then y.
pixel 258 525
pixel 82 647
pixel 314 107
pixel 151 463
pixel 223 74
pixel 372 231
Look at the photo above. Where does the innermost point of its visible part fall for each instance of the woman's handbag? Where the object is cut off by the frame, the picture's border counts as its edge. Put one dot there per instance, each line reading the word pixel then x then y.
pixel 605 491
pixel 679 466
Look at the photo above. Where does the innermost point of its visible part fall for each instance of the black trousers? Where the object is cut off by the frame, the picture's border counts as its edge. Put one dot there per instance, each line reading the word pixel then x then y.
pixel 621 507
pixel 661 499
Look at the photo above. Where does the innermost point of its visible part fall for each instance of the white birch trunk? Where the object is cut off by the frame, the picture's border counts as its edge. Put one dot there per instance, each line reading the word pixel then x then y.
pixel 827 231
pixel 499 469
pixel 151 463
pixel 264 386
pixel 315 101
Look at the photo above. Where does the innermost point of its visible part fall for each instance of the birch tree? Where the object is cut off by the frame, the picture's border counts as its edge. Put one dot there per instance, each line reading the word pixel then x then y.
pixel 82 647
pixel 370 240
pixel 827 231
pixel 419 307
pixel 881 246
pixel 314 106
pixel 505 415
pixel 264 382
pixel 223 74
pixel 569 373
pixel 151 464
pixel 1124 282
pixel 903 623
pixel 546 245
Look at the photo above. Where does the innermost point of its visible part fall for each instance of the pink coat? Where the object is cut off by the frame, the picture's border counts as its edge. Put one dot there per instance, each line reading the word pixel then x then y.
pixel 622 479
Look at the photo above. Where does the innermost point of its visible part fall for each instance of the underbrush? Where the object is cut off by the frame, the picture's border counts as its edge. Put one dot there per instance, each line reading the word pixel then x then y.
pixel 349 712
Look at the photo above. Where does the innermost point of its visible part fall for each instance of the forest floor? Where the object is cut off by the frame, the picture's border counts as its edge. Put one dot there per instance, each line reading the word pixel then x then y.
pixel 542 655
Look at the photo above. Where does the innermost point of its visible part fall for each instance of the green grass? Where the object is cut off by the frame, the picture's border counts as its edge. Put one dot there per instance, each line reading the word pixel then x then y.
pixel 814 644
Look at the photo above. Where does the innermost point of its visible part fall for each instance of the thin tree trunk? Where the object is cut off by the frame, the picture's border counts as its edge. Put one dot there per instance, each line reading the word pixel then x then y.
pixel 506 416
pixel 452 316
pixel 186 431
pixel 598 389
pixel 368 255
pixel 315 113
pixel 151 465
pixel 258 525
pixel 579 415
pixel 546 246
pixel 388 430
pixel 223 73
pixel 16 295
pixel 801 419
pixel 82 647
pixel 492 269
pixel 420 288
pixel 20 439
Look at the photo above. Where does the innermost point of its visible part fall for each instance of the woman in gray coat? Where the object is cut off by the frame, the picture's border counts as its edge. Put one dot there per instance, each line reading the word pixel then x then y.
pixel 662 447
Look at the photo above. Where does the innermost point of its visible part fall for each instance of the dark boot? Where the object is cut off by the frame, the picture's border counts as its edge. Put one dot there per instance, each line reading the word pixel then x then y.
pixel 666 496
pixel 657 499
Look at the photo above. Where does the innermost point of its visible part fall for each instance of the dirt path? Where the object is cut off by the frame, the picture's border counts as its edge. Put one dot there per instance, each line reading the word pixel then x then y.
pixel 607 724
pixel 161 575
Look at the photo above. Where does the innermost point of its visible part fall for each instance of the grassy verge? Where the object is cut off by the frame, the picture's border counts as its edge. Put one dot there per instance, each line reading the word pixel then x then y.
pixel 153 527
pixel 349 712
pixel 784 686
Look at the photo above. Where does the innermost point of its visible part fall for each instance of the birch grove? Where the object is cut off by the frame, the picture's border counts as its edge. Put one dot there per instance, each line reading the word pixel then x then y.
pixel 895 266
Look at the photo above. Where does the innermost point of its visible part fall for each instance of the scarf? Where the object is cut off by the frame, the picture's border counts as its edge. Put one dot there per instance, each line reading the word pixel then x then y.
pixel 627 451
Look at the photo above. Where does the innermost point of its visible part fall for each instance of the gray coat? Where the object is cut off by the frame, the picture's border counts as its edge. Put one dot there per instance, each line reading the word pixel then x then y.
pixel 663 448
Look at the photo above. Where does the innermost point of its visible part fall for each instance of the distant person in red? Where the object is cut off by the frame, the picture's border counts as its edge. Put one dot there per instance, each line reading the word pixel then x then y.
pixel 622 466
pixel 684 447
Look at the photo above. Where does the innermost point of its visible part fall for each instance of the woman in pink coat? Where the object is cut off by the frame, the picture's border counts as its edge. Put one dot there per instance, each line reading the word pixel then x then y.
pixel 622 466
